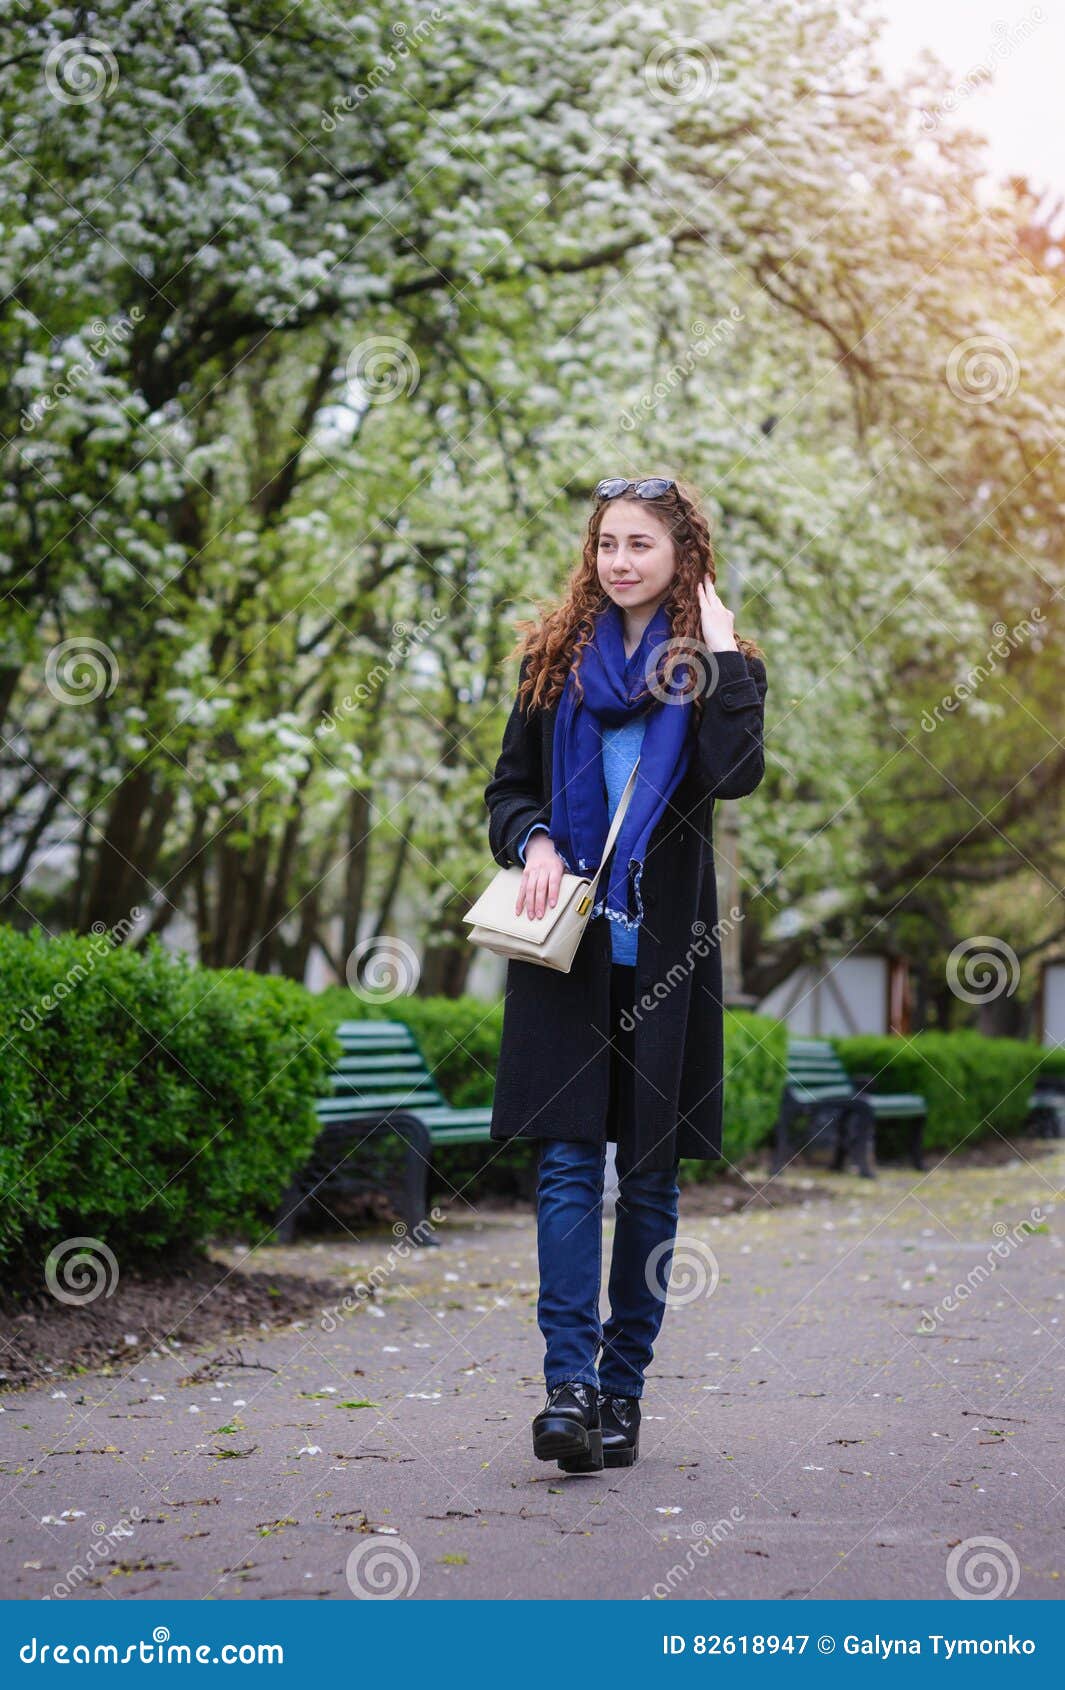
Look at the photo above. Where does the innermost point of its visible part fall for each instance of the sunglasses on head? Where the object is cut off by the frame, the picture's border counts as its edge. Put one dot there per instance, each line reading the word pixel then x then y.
pixel 651 488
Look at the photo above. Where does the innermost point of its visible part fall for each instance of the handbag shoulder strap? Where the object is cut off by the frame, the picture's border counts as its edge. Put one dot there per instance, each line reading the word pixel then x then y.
pixel 615 825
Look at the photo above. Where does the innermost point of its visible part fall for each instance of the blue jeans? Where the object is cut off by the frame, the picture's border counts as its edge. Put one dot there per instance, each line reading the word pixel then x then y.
pixel 569 1221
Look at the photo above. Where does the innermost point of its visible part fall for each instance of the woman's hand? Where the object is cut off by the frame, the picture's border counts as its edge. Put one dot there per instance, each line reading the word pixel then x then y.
pixel 542 877
pixel 716 620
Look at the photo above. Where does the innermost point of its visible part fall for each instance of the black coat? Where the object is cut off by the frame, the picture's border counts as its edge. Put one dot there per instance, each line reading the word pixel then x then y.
pixel 554 1058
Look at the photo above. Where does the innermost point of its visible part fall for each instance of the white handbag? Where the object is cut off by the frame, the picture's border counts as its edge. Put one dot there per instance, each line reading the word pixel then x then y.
pixel 552 938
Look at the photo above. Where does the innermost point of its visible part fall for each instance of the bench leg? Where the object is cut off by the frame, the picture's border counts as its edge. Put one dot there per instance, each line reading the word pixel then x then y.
pixel 287 1211
pixel 843 1140
pixel 413 1203
pixel 864 1139
pixel 857 1129
pixel 917 1144
pixel 782 1138
pixel 415 1200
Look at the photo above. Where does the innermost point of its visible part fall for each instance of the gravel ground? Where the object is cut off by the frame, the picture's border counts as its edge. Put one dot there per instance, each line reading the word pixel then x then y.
pixel 807 1433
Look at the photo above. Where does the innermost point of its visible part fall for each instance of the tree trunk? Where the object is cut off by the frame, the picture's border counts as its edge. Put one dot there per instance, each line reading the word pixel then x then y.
pixel 119 874
pixel 355 867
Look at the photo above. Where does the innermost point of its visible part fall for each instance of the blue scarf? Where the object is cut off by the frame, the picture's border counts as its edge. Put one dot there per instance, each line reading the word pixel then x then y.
pixel 616 691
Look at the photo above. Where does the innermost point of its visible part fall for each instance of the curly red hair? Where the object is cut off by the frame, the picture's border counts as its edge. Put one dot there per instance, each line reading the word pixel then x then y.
pixel 553 641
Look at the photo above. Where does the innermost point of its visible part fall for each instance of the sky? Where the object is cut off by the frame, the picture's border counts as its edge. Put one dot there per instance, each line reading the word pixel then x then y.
pixel 1024 44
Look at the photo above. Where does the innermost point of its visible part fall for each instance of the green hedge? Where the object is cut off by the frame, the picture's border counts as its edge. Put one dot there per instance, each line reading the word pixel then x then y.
pixel 975 1086
pixel 460 1039
pixel 756 1052
pixel 146 1101
pixel 152 1103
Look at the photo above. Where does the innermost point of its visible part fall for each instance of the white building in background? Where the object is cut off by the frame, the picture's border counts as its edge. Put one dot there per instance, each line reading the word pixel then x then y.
pixel 863 992
pixel 1050 1007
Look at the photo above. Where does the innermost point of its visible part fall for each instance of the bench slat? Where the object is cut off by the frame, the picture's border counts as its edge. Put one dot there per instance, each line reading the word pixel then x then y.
pixel 420 1084
pixel 363 1103
pixel 435 1115
pixel 395 1030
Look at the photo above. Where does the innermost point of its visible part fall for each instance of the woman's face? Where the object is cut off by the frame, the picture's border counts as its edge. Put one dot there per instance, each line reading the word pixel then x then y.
pixel 636 559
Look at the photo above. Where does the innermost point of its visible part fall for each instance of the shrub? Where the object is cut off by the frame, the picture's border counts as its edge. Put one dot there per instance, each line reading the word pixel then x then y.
pixel 974 1085
pixel 756 1060
pixel 146 1101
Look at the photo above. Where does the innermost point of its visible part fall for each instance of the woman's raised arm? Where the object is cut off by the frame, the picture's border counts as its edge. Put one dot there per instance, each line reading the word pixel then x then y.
pixel 729 757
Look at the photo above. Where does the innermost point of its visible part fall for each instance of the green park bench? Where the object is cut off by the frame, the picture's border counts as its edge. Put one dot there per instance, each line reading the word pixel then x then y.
pixel 379 1127
pixel 832 1103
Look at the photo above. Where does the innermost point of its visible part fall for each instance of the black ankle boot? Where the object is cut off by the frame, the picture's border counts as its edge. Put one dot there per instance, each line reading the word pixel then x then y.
pixel 567 1428
pixel 621 1430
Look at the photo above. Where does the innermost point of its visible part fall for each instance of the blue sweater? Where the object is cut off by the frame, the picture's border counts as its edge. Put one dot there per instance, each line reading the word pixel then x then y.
pixel 621 747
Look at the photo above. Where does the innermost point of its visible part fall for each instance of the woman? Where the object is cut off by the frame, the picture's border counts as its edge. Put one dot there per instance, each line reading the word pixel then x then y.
pixel 638 659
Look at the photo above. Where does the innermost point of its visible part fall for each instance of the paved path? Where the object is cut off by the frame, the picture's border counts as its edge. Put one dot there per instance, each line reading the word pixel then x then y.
pixel 803 1435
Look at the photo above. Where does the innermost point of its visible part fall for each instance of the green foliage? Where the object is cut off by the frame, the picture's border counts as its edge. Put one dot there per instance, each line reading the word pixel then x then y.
pixel 270 458
pixel 147 1102
pixel 755 1072
pixel 974 1086
pixel 1053 1063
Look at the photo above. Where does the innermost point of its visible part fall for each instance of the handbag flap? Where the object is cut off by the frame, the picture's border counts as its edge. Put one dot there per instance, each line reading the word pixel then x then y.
pixel 495 907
